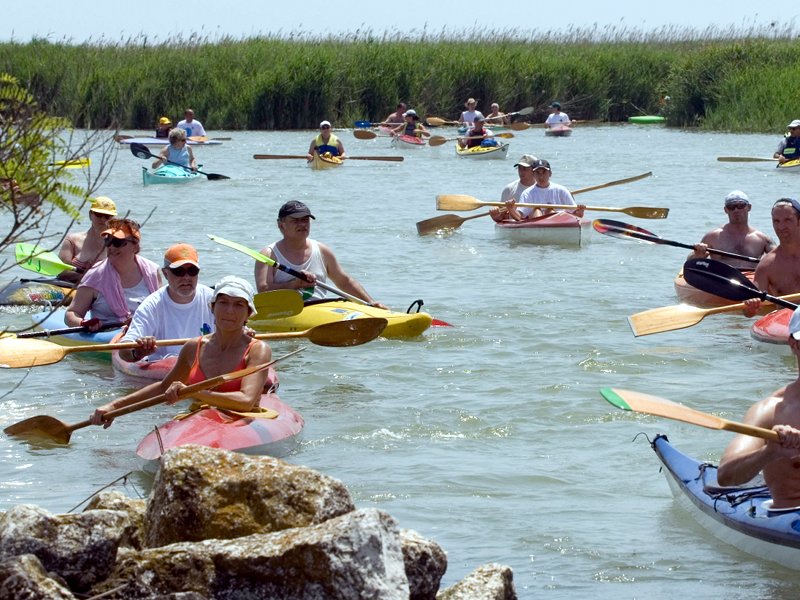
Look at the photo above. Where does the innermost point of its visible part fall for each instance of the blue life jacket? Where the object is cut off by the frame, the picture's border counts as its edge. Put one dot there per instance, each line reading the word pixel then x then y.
pixel 332 146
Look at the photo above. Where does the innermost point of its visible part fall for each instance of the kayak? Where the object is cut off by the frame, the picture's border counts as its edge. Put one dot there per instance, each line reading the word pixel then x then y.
pixel 325 161
pixel 558 131
pixel 483 152
pixel 324 311
pixel 146 369
pixel 773 329
pixel 168 174
pixel 41 291
pixel 689 294
pixel 55 320
pixel 738 515
pixel 791 164
pixel 560 228
pixel 402 142
pixel 217 428
pixel 151 141
pixel 647 119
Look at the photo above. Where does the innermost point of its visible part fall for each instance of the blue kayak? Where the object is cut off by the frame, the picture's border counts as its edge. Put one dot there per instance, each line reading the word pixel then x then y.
pixel 48 321
pixel 168 174
pixel 738 515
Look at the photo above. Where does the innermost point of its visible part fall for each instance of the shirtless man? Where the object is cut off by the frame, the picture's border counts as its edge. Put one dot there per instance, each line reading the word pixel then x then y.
pixel 83 249
pixel 735 236
pixel 746 456
pixel 398 116
pixel 297 250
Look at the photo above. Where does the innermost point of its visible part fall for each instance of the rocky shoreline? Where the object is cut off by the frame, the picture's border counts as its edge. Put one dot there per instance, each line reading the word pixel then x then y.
pixel 223 525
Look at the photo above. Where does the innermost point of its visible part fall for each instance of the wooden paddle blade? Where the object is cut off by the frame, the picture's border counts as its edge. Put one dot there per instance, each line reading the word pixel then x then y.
pixel 438 223
pixel 667 318
pixel 744 159
pixel 17 353
pixel 438 122
pixel 363 134
pixel 347 333
pixel 457 202
pixel 438 140
pixel 277 304
pixel 41 426
pixel 519 126
pixel 198 138
pixel 661 407
pixel 641 212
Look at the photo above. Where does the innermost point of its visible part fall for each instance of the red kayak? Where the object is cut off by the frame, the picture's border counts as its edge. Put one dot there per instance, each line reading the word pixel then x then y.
pixel 220 429
pixel 773 328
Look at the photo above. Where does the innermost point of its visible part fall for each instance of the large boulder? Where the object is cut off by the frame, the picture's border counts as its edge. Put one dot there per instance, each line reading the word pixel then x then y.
pixel 356 556
pixel 426 563
pixel 203 493
pixel 24 577
pixel 487 582
pixel 81 548
pixel 133 536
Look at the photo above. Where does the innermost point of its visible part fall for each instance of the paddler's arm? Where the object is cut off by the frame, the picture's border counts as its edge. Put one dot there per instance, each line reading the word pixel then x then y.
pixel 342 279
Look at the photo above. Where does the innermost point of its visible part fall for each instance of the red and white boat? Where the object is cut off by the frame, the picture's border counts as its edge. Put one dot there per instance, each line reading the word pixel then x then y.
pixel 403 142
pixel 773 329
pixel 276 432
pixel 558 228
pixel 558 131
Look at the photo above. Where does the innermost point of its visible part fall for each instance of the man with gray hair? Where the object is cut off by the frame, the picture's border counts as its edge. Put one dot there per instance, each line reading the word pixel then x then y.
pixel 735 236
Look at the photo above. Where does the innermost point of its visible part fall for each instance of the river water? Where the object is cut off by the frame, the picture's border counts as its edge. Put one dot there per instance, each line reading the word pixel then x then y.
pixel 489 437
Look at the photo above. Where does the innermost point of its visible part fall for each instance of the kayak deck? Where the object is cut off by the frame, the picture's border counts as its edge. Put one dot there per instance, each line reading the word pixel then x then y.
pixel 557 228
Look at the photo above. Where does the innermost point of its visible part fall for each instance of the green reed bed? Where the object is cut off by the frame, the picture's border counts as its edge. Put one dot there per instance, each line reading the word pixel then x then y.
pixel 728 79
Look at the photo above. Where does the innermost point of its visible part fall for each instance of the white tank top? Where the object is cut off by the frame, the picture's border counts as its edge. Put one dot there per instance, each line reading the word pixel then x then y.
pixel 314 264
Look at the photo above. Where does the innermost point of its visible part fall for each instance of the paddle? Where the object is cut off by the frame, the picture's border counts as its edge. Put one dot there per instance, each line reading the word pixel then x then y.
pixel 38 260
pixel 60 432
pixel 679 316
pixel 744 159
pixel 364 134
pixel 278 304
pixel 454 221
pixel 72 163
pixel 723 280
pixel 18 353
pixel 623 230
pixel 141 151
pixel 203 138
pixel 63 331
pixel 438 122
pixel 438 140
pixel 661 407
pixel 304 157
pixel 464 202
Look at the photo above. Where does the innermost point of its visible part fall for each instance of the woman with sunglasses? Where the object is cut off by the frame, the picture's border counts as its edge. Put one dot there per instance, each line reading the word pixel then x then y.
pixel 114 287
pixel 228 349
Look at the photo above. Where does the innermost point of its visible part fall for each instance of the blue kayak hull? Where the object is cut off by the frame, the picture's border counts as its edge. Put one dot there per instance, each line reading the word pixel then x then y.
pixel 168 174
pixel 739 515
pixel 55 320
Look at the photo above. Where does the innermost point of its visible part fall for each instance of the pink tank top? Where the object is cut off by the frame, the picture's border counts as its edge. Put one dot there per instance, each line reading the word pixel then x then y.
pixel 196 373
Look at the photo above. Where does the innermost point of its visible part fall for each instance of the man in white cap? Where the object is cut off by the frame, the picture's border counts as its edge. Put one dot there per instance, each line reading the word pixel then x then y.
pixel 543 191
pixel 85 248
pixel 180 309
pixel 513 190
pixel 735 236
pixel 746 456
pixel 325 142
pixel 298 251
pixel 789 148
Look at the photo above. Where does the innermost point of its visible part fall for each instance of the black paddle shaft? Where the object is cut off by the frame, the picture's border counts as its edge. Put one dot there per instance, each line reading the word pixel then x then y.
pixel 723 280
pixel 142 151
pixel 620 229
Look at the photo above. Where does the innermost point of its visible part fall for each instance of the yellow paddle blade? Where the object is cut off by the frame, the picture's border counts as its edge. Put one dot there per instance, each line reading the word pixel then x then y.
pixel 438 122
pixel 458 202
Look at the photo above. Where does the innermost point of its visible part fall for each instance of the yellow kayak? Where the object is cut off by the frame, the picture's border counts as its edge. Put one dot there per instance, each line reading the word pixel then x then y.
pixel 325 161
pixel 328 311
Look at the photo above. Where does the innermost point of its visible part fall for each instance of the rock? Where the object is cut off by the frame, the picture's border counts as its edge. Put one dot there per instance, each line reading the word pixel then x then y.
pixel 24 576
pixel 356 556
pixel 425 564
pixel 205 493
pixel 80 548
pixel 487 582
pixel 133 536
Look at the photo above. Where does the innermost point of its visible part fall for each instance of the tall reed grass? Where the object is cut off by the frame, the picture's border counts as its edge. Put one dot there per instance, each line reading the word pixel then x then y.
pixel 731 79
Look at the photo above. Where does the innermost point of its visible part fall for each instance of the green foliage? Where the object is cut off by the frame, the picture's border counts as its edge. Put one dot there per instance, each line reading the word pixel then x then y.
pixel 729 79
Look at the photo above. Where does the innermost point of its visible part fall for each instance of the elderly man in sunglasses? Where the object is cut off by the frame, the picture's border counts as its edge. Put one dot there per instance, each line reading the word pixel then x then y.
pixel 735 236
pixel 180 309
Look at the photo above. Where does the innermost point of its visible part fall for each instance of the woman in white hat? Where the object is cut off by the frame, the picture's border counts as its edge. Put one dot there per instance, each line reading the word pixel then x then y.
pixel 228 349
pixel 412 126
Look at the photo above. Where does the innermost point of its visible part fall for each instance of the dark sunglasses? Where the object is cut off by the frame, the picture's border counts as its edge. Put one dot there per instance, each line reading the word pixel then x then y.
pixel 737 205
pixel 184 270
pixel 118 243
